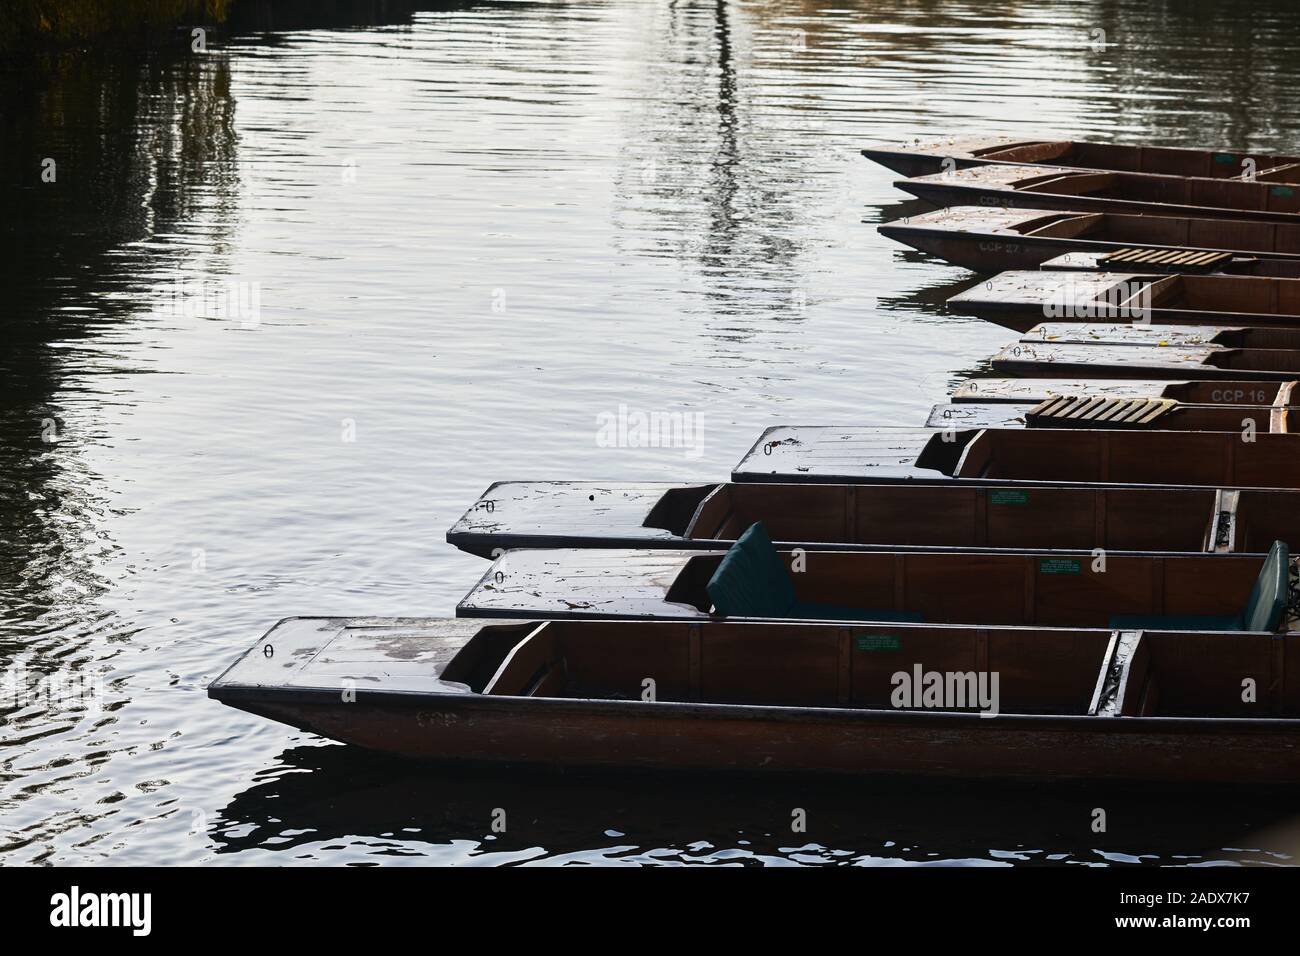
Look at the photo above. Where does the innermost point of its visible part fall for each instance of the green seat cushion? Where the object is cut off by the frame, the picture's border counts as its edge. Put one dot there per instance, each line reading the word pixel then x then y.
pixel 1175 622
pixel 813 611
pixel 1267 602
pixel 752 580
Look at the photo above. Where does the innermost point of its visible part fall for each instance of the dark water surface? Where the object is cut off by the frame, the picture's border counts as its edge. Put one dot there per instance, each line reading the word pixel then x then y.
pixel 468 232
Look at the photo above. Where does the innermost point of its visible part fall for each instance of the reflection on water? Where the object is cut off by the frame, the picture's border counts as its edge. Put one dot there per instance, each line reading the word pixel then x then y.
pixel 471 229
pixel 318 802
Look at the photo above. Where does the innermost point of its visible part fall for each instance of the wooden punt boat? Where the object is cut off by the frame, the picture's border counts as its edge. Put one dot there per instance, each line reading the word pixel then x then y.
pixel 1015 456
pixel 1034 390
pixel 1086 191
pixel 1078 412
pixel 988 239
pixel 1137 334
pixel 1152 706
pixel 753 580
pixel 924 159
pixel 1020 300
pixel 1147 361
pixel 589 514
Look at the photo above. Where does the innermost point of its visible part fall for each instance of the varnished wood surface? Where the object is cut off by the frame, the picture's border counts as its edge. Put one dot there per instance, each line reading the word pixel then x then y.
pixel 393 654
pixel 786 698
pixel 513 514
pixel 1014 456
pixel 563 583
pixel 945 587
pixel 1021 299
pixel 1164 335
pixel 909 515
pixel 1147 361
pixel 1205 392
pixel 994 240
pixel 1047 187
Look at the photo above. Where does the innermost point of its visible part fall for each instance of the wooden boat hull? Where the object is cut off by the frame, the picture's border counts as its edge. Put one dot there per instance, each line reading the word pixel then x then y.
pixel 910 516
pixel 679 737
pixel 1082 191
pixel 1022 300
pixel 1034 390
pixel 1014 457
pixel 556 514
pixel 1072 589
pixel 1031 359
pixel 341 685
pixel 1195 418
pixel 926 159
pixel 1142 335
pixel 988 239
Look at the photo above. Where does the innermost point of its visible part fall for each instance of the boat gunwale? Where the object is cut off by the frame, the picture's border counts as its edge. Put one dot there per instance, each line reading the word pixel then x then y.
pixel 738 476
pixel 510 703
pixel 1079 243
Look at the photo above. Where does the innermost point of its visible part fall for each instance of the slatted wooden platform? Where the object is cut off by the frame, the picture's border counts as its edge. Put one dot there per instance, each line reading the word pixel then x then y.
pixel 1073 410
pixel 1167 260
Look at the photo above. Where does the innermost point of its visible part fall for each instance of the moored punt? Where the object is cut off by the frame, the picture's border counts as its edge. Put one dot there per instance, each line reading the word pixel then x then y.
pixel 1105 412
pixel 1012 456
pixel 1034 390
pixel 1021 299
pixel 988 239
pixel 1147 361
pixel 576 514
pixel 1165 336
pixel 1083 191
pixel 754 580
pixel 1152 706
pixel 924 159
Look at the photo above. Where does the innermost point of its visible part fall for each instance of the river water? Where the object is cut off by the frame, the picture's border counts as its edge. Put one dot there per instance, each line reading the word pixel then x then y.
pixel 438 247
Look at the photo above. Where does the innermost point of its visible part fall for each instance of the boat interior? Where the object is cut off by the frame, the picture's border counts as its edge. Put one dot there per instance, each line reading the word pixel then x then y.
pixel 1121 519
pixel 1213 293
pixel 1180 231
pixel 1168 592
pixel 1137 187
pixel 1144 159
pixel 1126 457
pixel 1227 294
pixel 1061 672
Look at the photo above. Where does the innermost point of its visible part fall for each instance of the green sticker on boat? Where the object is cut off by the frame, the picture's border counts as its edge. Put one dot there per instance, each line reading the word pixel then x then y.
pixel 1009 497
pixel 1283 191
pixel 877 642
pixel 1058 566
pixel 1224 158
